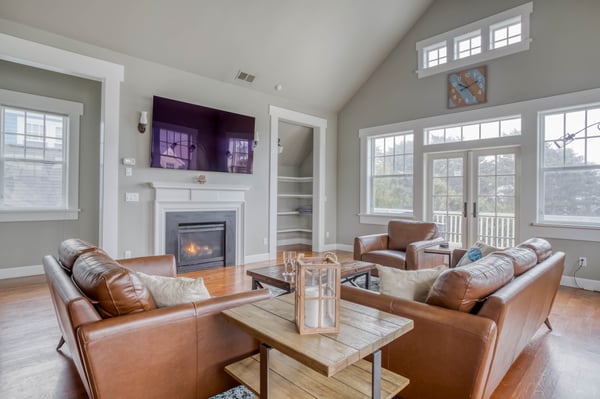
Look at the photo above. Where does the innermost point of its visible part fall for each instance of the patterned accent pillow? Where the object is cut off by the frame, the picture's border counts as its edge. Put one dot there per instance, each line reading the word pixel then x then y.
pixel 479 250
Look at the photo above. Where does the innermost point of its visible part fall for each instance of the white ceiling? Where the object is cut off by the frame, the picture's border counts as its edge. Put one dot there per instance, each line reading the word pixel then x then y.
pixel 320 51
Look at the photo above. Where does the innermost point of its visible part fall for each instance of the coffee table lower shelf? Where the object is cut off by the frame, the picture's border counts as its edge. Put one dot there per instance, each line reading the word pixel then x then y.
pixel 291 379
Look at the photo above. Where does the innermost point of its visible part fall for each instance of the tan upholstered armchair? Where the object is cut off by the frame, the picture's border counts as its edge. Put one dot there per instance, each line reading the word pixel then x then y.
pixel 402 246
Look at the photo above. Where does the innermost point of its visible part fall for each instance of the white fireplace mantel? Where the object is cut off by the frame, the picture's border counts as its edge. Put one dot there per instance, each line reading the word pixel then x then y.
pixel 182 197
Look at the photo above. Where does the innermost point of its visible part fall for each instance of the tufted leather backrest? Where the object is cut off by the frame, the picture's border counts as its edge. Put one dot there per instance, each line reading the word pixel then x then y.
pixel 404 232
pixel 541 247
pixel 522 259
pixel 114 289
pixel 69 250
pixel 463 287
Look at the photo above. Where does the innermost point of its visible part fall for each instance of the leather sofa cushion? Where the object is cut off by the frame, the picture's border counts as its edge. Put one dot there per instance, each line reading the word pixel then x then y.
pixel 403 232
pixel 69 250
pixel 463 287
pixel 114 289
pixel 541 247
pixel 522 259
pixel 386 257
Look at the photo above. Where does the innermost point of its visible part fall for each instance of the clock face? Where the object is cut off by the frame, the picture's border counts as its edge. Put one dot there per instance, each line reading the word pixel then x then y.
pixel 468 87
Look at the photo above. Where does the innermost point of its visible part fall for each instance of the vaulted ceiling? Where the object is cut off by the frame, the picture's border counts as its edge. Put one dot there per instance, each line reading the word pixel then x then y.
pixel 319 51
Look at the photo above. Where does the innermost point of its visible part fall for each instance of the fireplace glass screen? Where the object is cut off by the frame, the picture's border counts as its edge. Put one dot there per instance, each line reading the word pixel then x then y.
pixel 201 244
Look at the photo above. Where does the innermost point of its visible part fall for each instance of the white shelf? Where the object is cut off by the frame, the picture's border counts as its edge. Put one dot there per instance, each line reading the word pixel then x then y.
pixel 292 179
pixel 294 231
pixel 294 195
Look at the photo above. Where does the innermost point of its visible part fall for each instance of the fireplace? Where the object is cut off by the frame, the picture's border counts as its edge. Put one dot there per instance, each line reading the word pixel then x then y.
pixel 201 240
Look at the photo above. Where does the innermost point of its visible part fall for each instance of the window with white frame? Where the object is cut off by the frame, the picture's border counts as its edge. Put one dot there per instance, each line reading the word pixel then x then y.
pixel 390 174
pixel 436 55
pixel 506 33
pixel 496 36
pixel 39 140
pixel 488 129
pixel 467 45
pixel 570 166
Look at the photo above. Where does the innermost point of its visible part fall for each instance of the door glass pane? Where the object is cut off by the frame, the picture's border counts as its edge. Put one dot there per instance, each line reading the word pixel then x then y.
pixel 447 201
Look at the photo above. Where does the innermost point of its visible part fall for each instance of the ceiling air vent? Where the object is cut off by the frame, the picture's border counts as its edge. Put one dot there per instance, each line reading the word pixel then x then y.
pixel 245 76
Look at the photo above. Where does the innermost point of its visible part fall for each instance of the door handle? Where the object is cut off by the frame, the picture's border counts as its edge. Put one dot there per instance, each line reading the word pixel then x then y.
pixel 465 209
pixel 474 209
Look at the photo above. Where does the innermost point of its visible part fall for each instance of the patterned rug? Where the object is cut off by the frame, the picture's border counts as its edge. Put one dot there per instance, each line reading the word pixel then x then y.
pixel 241 392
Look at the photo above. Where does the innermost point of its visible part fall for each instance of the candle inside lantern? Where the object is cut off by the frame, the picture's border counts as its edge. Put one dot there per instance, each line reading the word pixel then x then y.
pixel 311 307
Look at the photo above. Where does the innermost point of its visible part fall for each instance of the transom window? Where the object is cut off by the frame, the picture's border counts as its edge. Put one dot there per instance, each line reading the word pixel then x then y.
pixel 570 166
pixel 391 174
pixel 505 33
pixel 510 126
pixel 38 157
pixel 436 55
pixel 467 45
pixel 496 36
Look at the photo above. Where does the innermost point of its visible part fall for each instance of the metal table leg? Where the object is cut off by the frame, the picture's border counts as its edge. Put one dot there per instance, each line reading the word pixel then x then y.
pixel 376 383
pixel 264 370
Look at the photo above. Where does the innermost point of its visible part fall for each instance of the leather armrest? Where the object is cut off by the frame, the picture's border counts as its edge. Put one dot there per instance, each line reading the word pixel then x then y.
pixel 454 347
pixel 158 265
pixel 368 243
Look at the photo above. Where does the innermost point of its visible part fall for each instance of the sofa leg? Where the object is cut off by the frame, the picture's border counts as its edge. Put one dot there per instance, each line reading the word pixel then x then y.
pixel 60 343
pixel 547 323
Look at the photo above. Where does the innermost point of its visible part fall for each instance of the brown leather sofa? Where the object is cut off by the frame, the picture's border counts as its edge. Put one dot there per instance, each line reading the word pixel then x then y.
pixel 125 347
pixel 476 321
pixel 402 246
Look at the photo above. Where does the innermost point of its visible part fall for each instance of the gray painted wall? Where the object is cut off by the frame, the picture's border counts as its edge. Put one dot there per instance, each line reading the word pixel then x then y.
pixel 145 79
pixel 36 239
pixel 561 59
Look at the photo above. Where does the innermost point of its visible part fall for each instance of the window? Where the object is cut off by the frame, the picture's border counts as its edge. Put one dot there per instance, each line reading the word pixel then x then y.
pixel 510 126
pixel 570 166
pixel 38 157
pixel 505 33
pixel 238 156
pixel 496 36
pixel 390 174
pixel 436 55
pixel 467 45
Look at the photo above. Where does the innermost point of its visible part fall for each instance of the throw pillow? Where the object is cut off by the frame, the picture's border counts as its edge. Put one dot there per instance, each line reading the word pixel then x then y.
pixel 479 250
pixel 413 285
pixel 170 291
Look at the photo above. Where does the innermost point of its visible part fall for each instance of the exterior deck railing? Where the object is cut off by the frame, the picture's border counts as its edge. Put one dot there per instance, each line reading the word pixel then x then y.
pixel 497 230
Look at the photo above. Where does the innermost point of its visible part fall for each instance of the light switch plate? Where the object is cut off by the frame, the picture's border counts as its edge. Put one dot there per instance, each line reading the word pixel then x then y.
pixel 132 197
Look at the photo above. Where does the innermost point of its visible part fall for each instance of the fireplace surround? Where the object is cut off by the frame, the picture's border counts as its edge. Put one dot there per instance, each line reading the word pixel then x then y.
pixel 191 198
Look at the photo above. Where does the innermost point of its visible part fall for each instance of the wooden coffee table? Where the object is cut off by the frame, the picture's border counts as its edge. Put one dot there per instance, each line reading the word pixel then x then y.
pixel 273 275
pixel 291 365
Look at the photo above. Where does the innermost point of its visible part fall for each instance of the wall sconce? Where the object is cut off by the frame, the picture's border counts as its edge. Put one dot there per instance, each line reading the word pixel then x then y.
pixel 143 122
pixel 279 146
pixel 255 143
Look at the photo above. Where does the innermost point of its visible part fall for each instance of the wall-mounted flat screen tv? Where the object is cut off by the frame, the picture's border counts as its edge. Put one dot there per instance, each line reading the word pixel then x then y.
pixel 193 137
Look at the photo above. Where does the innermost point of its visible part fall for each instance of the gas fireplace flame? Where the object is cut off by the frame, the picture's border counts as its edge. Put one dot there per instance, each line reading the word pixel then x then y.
pixel 192 250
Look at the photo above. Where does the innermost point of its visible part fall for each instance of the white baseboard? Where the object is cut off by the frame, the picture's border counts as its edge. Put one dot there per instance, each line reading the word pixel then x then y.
pixel 294 241
pixel 256 258
pixel 585 283
pixel 21 271
pixel 344 247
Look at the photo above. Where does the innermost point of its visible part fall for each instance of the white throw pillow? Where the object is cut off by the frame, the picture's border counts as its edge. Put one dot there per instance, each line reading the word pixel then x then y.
pixel 170 291
pixel 413 285
pixel 479 250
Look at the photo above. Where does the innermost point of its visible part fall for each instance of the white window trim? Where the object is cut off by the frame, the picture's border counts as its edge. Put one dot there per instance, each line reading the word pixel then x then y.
pixel 73 111
pixel 486 54
pixel 365 215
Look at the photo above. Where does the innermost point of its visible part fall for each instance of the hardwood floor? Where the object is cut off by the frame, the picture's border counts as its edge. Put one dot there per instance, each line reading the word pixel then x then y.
pixel 561 364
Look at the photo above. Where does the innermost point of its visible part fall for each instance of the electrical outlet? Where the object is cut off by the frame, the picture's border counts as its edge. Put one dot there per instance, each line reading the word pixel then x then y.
pixel 265 241
pixel 127 254
pixel 128 171
pixel 582 261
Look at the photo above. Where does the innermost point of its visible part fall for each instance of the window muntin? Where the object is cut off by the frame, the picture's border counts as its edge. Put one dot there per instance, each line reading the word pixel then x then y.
pixel 570 166
pixel 436 55
pixel 33 159
pixel 467 45
pixel 509 126
pixel 506 33
pixel 391 174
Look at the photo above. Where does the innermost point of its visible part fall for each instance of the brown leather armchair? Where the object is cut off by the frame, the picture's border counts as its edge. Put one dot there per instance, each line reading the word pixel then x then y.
pixel 402 246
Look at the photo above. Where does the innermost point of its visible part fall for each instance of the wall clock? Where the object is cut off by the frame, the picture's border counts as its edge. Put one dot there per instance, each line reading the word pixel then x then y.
pixel 468 87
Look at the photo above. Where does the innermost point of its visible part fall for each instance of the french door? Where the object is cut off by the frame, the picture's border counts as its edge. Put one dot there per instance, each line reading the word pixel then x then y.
pixel 472 195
